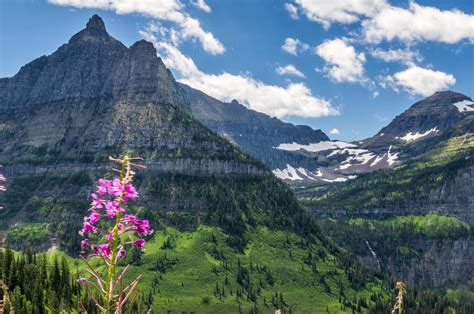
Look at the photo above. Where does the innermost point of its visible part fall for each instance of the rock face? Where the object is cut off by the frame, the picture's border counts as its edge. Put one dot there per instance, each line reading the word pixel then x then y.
pixel 440 263
pixel 426 118
pixel 94 97
pixel 62 115
pixel 253 132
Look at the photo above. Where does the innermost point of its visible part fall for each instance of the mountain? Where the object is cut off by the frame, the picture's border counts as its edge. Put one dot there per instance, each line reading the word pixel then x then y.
pixel 426 118
pixel 413 220
pixel 229 236
pixel 424 124
pixel 253 132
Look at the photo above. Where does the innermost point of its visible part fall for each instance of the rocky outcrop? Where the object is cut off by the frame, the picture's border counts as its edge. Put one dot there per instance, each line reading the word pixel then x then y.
pixel 255 133
pixel 453 198
pixel 440 263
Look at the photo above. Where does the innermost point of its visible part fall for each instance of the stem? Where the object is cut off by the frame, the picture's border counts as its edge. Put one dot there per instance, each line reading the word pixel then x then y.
pixel 111 272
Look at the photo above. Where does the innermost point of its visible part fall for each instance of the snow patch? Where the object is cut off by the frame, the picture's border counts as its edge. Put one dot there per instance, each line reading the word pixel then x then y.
pixel 315 147
pixel 392 158
pixel 336 180
pixel 414 136
pixel 289 173
pixel 464 106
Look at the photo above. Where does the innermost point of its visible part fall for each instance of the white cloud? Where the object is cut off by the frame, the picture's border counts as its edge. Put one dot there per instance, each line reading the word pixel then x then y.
pixel 418 23
pixel 292 9
pixel 382 21
pixel 290 69
pixel 201 4
pixel 293 46
pixel 397 55
pixel 418 81
pixel 166 10
pixel 295 99
pixel 343 63
pixel 334 131
pixel 340 11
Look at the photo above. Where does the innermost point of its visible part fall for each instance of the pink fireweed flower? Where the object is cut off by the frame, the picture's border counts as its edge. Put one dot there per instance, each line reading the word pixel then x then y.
pixel 103 186
pixel 94 217
pixel 117 188
pixel 121 253
pixel 84 244
pixel 130 219
pixel 109 200
pixel 109 236
pixel 103 250
pixel 130 191
pixel 143 227
pixel 140 243
pixel 112 208
pixel 86 228
pixel 96 201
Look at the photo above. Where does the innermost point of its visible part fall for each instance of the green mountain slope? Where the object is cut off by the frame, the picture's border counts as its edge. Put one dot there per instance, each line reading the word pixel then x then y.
pixel 404 186
pixel 413 221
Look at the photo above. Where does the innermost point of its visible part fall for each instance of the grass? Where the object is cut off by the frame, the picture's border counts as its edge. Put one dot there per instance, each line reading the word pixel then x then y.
pixel 28 234
pixel 431 225
pixel 184 278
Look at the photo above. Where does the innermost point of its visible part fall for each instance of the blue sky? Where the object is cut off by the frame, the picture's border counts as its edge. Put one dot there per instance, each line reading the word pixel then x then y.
pixel 349 65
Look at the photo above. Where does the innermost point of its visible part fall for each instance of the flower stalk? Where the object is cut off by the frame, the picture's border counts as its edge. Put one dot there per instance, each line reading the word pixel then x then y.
pixel 114 231
pixel 401 287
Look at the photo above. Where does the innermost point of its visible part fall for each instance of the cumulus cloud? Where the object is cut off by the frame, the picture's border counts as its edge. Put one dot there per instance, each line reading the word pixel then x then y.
pixel 293 46
pixel 292 9
pixel 201 4
pixel 343 63
pixel 397 55
pixel 382 21
pixel 418 23
pixel 334 131
pixel 290 69
pixel 165 10
pixel 418 81
pixel 340 11
pixel 295 99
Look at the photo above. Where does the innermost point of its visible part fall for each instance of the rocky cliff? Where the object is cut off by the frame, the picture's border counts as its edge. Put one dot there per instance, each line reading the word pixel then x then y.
pixel 94 97
pixel 62 115
pixel 255 133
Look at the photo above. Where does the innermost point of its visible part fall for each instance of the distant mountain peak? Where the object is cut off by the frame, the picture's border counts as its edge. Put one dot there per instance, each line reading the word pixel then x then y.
pixel 96 24
pixel 95 31
pixel 145 47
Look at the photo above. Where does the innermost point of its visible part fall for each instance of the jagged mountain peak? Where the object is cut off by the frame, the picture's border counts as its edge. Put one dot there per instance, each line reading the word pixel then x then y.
pixel 95 31
pixel 145 46
pixel 96 24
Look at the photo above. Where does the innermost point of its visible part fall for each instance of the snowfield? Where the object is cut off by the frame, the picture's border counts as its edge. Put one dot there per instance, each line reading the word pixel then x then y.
pixel 414 136
pixel 315 147
pixel 464 106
